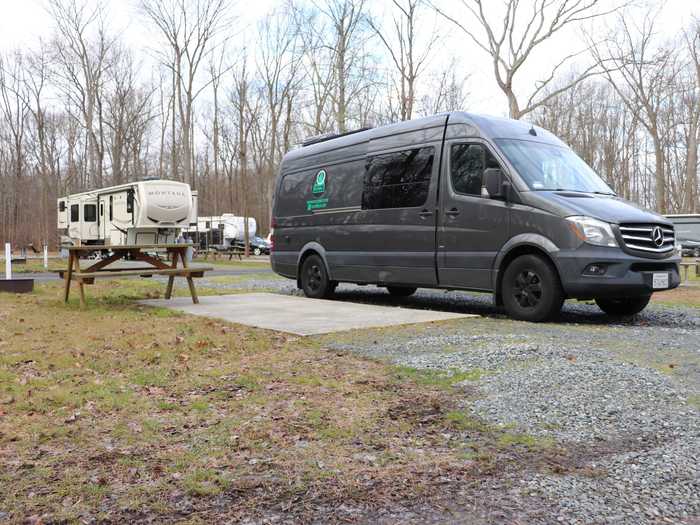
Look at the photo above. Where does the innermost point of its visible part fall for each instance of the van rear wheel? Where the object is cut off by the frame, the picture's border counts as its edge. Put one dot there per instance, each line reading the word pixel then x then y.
pixel 401 291
pixel 531 289
pixel 314 278
pixel 624 306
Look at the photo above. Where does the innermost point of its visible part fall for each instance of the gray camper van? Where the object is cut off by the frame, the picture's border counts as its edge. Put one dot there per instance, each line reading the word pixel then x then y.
pixel 466 202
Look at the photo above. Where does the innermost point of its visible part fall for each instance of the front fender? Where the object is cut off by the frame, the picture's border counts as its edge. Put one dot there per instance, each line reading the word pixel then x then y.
pixel 534 240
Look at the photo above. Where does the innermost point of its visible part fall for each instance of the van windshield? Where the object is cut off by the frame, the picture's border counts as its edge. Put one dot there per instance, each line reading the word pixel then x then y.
pixel 549 167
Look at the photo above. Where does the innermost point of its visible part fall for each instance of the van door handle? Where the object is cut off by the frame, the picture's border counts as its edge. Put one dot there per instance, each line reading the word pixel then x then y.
pixel 425 213
pixel 453 212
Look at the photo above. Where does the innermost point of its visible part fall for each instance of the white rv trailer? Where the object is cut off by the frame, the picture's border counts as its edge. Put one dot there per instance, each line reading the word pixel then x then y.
pixel 224 229
pixel 146 212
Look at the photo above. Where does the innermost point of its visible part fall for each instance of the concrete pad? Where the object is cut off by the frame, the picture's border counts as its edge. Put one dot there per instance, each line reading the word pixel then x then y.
pixel 300 315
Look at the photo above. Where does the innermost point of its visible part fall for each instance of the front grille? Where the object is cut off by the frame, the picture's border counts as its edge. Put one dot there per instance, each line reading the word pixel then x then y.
pixel 649 238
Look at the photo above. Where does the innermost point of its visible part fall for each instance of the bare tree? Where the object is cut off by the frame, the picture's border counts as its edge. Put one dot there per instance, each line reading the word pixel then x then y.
pixel 348 20
pixel 643 76
pixel 191 29
pixel 447 91
pixel 407 59
pixel 524 28
pixel 14 109
pixel 82 59
pixel 691 99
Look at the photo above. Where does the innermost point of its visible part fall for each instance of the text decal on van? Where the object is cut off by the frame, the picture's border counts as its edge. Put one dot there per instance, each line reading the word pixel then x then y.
pixel 320 184
pixel 316 204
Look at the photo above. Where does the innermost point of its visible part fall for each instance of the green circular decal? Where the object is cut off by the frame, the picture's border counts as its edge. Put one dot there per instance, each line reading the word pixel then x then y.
pixel 320 184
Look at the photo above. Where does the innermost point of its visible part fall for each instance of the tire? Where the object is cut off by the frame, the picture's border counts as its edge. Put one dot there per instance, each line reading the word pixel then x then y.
pixel 314 278
pixel 401 291
pixel 624 306
pixel 257 251
pixel 531 289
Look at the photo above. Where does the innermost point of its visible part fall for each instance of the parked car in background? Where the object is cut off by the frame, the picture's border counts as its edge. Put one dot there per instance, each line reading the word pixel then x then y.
pixel 258 245
pixel 688 233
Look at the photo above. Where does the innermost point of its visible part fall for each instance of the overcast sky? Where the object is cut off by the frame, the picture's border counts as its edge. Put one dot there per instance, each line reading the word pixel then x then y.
pixel 23 22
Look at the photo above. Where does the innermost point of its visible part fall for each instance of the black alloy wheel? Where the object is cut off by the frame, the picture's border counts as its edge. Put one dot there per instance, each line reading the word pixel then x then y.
pixel 531 289
pixel 314 278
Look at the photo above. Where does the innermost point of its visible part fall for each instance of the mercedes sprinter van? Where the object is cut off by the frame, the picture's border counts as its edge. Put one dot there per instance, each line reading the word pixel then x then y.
pixel 466 202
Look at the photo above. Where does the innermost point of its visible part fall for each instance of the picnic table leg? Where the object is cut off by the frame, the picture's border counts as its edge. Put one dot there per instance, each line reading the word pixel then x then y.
pixel 190 281
pixel 68 276
pixel 171 279
pixel 81 285
pixel 83 303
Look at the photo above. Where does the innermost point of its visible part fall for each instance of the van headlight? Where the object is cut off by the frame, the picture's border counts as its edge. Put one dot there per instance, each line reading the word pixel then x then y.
pixel 592 231
pixel 679 248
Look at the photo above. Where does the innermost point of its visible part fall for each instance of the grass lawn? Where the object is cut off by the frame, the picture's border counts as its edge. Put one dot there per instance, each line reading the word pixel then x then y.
pixel 122 413
pixel 36 266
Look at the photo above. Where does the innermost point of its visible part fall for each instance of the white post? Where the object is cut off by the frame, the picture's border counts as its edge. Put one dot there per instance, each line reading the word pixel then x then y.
pixel 8 261
pixel 46 257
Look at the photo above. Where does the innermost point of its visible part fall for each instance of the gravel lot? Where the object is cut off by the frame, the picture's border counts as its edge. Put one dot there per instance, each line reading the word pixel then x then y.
pixel 623 395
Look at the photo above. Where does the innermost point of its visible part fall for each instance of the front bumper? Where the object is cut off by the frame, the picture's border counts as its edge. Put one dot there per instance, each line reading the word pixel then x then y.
pixel 625 276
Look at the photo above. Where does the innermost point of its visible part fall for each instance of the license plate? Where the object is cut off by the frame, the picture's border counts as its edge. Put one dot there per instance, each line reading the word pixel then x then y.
pixel 659 281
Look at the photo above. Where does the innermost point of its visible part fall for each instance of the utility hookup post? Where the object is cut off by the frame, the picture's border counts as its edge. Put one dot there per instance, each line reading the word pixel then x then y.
pixel 46 256
pixel 8 261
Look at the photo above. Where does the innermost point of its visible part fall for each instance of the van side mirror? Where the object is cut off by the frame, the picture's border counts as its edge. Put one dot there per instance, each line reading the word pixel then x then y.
pixel 496 183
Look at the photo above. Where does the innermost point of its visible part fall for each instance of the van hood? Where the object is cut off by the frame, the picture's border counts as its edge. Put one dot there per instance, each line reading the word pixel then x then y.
pixel 608 208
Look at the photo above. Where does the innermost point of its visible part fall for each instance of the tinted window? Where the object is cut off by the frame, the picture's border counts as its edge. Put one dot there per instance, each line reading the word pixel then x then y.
pixel 62 206
pixel 75 213
pixel 398 180
pixel 90 213
pixel 111 208
pixel 467 165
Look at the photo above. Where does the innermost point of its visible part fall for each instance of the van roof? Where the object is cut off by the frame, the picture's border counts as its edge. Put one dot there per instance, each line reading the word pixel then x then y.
pixel 484 126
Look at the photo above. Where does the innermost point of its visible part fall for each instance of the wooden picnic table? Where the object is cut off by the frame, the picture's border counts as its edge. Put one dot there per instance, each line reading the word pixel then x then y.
pixel 687 266
pixel 152 266
pixel 239 252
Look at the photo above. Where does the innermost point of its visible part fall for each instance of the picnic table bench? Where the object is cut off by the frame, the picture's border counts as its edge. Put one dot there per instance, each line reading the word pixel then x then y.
pixel 152 266
pixel 238 252
pixel 686 266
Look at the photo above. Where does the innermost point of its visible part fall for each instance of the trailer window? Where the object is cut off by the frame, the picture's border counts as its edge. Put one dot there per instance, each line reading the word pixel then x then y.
pixel 111 207
pixel 467 165
pixel 398 180
pixel 62 206
pixel 75 213
pixel 90 213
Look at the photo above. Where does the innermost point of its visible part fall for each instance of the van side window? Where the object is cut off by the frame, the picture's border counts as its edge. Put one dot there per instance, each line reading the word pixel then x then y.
pixel 90 213
pixel 398 180
pixel 467 165
pixel 74 213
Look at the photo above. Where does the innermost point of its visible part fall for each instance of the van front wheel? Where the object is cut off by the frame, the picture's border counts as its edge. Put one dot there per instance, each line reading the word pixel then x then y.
pixel 314 278
pixel 531 289
pixel 624 306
